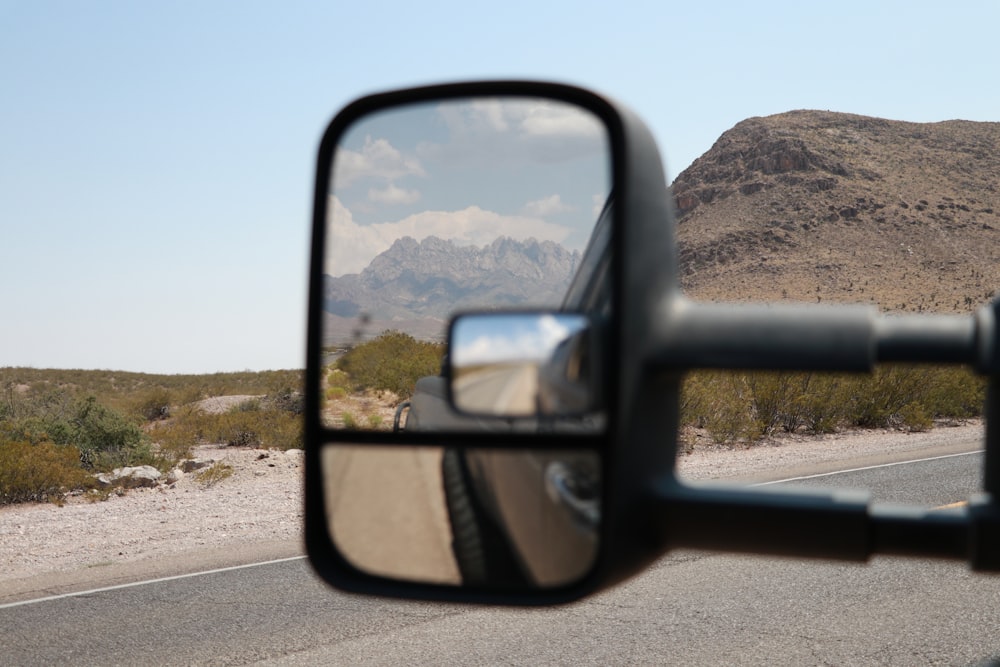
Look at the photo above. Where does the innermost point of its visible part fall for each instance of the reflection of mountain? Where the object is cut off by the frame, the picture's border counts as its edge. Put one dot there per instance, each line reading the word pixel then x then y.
pixel 414 287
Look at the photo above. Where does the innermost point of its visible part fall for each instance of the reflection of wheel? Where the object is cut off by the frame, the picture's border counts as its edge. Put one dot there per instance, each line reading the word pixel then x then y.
pixel 481 551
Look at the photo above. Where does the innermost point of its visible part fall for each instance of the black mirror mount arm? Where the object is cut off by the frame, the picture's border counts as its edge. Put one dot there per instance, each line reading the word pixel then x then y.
pixel 843 338
pixel 839 525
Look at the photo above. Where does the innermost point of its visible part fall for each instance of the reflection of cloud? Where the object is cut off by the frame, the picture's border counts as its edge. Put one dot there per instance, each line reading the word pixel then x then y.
pixel 393 195
pixel 549 120
pixel 376 159
pixel 599 202
pixel 551 331
pixel 547 206
pixel 522 344
pixel 351 247
pixel 528 118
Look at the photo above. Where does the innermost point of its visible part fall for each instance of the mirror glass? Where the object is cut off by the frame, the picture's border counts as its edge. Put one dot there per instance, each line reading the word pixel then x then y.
pixel 455 205
pixel 521 364
pixel 486 517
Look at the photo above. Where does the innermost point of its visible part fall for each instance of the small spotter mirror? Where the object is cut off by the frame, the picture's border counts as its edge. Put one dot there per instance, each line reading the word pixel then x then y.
pixel 522 365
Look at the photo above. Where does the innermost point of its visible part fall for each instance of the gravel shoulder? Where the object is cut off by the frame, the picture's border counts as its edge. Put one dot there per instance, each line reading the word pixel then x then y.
pixel 257 513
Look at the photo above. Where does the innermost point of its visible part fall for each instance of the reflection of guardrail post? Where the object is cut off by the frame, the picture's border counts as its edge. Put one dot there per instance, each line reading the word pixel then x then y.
pixel 396 417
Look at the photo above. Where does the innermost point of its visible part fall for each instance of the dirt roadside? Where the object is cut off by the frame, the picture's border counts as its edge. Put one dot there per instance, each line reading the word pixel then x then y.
pixel 257 514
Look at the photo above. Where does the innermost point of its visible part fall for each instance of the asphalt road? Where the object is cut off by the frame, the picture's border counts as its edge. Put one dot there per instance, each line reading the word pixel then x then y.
pixel 690 608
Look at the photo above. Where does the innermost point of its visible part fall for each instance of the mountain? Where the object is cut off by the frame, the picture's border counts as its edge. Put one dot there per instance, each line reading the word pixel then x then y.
pixel 819 206
pixel 415 286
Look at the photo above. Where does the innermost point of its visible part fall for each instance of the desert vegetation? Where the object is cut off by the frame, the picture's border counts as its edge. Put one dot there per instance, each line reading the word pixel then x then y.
pixel 732 407
pixel 58 428
pixel 364 385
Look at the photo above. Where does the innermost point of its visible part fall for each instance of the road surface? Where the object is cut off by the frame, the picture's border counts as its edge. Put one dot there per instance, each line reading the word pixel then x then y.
pixel 690 608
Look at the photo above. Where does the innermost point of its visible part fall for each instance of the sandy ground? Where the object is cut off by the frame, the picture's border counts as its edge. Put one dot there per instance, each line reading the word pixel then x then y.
pixel 256 514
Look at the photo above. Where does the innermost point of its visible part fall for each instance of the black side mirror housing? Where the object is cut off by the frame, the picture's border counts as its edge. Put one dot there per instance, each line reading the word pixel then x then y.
pixel 614 482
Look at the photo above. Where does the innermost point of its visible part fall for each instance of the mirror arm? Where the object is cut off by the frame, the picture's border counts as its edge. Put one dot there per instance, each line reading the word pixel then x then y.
pixel 764 337
pixel 811 338
pixel 807 524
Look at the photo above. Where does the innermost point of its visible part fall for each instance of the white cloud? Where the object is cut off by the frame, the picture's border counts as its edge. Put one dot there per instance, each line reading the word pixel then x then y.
pixel 393 195
pixel 377 159
pixel 351 247
pixel 546 206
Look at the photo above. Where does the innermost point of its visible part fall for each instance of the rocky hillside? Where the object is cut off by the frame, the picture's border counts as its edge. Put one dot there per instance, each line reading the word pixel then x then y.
pixel 819 206
pixel 414 286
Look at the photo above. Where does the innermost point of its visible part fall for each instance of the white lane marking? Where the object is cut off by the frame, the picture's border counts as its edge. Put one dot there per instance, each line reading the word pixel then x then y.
pixel 147 581
pixel 881 465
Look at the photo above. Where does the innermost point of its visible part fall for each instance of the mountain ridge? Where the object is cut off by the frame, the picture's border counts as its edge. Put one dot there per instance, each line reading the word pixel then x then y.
pixel 821 206
pixel 414 286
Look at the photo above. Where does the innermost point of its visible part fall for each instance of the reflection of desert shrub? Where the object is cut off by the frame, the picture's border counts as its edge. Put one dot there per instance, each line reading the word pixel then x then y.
pixel 334 393
pixel 392 362
pixel 38 472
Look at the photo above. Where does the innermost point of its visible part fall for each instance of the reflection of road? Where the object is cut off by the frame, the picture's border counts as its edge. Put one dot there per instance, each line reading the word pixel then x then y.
pixel 388 511
pixel 501 389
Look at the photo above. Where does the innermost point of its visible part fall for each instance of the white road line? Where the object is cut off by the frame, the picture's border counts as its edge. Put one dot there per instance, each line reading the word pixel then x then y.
pixel 148 581
pixel 881 465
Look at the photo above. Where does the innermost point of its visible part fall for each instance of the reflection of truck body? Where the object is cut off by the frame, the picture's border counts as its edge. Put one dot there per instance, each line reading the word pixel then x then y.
pixel 527 517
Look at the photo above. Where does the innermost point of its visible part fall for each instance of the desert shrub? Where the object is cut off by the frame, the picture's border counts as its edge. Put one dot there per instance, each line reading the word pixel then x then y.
pixel 334 393
pixel 249 405
pixel 106 438
pixel 953 392
pixel 286 399
pixel 374 421
pixel 392 362
pixel 32 472
pixel 821 404
pixel 261 427
pixel 348 420
pixel 214 474
pixel 733 406
pixel 152 404
pixel 722 404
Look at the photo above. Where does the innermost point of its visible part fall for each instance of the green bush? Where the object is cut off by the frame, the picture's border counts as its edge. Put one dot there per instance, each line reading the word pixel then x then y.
pixel 392 362
pixel 106 438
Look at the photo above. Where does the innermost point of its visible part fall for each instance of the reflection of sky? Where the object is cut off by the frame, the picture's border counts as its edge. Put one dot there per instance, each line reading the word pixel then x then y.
pixel 470 171
pixel 500 337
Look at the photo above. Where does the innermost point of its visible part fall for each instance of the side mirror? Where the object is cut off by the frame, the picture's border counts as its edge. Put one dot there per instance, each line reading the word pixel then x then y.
pixel 486 489
pixel 438 464
pixel 542 365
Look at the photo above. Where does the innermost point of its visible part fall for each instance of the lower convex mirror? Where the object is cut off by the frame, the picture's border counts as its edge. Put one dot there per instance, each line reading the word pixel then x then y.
pixel 523 364
pixel 491 518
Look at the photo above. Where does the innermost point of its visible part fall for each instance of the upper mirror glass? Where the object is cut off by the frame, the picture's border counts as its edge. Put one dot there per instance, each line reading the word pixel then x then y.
pixel 476 203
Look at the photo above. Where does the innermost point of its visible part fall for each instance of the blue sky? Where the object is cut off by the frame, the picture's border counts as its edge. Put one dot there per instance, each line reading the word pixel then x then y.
pixel 156 159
